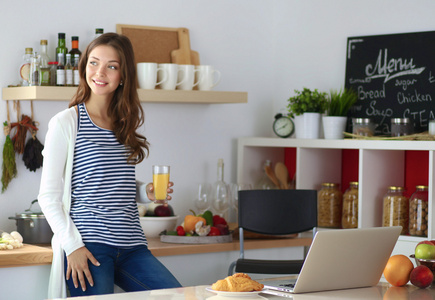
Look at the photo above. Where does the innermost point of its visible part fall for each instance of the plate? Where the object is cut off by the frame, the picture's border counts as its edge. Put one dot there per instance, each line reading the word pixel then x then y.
pixel 234 294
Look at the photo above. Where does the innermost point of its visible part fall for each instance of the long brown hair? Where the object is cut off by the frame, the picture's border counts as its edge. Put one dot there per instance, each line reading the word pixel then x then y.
pixel 124 109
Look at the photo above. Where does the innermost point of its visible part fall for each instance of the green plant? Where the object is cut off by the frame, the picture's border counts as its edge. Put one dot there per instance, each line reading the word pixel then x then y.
pixel 340 102
pixel 307 101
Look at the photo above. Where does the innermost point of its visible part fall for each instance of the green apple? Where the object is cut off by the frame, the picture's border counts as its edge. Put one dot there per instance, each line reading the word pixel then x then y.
pixel 425 251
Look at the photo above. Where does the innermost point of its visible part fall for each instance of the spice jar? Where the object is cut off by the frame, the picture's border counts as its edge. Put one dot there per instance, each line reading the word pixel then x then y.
pixel 401 127
pixel 363 126
pixel 350 207
pixel 418 211
pixel 329 206
pixel 395 208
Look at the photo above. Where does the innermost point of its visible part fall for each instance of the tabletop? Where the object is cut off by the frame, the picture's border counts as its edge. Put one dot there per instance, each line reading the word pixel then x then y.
pixel 382 291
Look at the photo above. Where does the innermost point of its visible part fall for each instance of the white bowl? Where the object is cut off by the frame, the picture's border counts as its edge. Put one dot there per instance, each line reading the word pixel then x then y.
pixel 153 226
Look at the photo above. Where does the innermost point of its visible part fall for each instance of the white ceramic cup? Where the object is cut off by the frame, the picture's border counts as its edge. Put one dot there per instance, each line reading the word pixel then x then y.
pixel 147 75
pixel 173 80
pixel 208 77
pixel 187 76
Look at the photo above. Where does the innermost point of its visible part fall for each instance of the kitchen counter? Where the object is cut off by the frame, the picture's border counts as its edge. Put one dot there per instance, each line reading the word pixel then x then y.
pixel 42 254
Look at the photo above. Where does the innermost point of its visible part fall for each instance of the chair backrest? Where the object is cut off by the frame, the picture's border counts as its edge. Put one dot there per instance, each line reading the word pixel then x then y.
pixel 278 211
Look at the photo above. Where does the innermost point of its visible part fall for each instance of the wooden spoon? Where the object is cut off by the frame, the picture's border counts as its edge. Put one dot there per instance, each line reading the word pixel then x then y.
pixel 272 176
pixel 282 174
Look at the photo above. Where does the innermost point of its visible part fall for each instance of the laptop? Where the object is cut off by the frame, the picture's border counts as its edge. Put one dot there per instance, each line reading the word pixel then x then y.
pixel 342 259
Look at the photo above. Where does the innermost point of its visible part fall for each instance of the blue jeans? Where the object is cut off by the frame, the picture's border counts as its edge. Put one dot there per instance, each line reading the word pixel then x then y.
pixel 133 269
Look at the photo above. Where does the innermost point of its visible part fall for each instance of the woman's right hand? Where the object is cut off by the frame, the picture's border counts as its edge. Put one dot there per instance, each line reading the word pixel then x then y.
pixel 78 267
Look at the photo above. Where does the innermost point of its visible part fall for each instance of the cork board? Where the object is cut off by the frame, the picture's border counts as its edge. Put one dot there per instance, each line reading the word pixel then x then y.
pixel 152 44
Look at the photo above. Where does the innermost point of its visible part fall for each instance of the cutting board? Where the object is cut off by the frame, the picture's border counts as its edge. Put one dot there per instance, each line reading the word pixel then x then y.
pixel 196 239
pixel 159 44
pixel 184 55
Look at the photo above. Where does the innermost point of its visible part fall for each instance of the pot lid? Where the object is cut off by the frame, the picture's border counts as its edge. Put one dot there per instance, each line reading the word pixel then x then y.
pixel 30 215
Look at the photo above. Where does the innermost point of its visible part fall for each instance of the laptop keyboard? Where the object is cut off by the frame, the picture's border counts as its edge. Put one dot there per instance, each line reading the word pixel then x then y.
pixel 288 285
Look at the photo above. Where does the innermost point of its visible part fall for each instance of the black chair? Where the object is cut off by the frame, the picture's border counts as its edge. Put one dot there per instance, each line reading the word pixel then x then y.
pixel 274 212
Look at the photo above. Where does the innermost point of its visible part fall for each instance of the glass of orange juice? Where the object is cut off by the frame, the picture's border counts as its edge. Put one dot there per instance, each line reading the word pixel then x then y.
pixel 160 182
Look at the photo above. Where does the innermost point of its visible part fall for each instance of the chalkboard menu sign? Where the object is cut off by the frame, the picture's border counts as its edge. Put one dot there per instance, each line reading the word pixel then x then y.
pixel 394 77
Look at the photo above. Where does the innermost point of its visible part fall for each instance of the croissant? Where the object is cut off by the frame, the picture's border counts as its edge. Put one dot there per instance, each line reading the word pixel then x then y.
pixel 238 282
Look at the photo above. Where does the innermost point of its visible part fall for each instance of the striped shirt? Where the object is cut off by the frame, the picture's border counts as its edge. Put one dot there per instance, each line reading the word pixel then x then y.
pixel 103 205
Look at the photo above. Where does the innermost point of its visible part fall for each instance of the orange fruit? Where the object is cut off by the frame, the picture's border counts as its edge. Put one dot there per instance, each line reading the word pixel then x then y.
pixel 398 269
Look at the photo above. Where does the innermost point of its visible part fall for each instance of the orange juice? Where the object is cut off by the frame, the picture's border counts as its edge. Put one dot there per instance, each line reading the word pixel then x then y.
pixel 160 182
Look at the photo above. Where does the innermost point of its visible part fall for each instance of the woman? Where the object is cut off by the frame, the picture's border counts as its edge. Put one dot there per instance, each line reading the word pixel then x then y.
pixel 88 186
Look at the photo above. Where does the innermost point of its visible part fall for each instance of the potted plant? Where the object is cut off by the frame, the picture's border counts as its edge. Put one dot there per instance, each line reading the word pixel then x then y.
pixel 337 108
pixel 306 108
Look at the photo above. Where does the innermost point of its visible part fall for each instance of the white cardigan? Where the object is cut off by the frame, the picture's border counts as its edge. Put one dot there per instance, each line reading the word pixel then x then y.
pixel 55 194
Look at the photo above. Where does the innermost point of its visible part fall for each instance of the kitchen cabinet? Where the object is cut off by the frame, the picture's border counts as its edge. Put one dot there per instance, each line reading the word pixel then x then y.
pixel 156 96
pixel 380 164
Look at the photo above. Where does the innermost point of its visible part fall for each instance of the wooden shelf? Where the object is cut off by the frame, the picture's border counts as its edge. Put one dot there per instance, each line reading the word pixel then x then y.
pixel 57 93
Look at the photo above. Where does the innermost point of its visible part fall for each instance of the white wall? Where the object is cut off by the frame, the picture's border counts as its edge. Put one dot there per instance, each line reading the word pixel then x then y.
pixel 267 48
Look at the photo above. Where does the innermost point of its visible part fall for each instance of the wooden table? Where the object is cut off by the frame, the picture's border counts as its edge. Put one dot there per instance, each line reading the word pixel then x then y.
pixel 382 291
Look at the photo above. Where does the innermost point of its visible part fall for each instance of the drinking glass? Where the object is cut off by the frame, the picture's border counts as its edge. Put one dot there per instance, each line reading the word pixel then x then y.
pixel 160 183
pixel 234 198
pixel 220 198
pixel 202 199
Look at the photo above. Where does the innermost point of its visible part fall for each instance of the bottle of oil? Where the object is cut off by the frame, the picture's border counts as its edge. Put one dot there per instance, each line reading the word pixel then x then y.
pixel 61 47
pixel 43 63
pixel 76 74
pixel 69 77
pixel 60 70
pixel 74 49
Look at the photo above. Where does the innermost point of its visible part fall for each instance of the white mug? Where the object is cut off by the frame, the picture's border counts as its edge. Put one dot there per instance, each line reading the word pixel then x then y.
pixel 187 76
pixel 208 77
pixel 147 75
pixel 172 82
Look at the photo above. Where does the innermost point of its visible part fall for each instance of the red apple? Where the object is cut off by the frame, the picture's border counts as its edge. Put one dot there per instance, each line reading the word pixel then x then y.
pixel 421 277
pixel 426 242
pixel 162 211
pixel 224 230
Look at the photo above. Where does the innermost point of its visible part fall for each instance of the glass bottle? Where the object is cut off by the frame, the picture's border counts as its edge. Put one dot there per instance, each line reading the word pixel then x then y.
pixel 76 74
pixel 43 63
pixel 98 32
pixel 395 208
pixel 53 71
pixel 220 193
pixel 61 47
pixel 74 49
pixel 60 71
pixel 25 67
pixel 69 76
pixel 329 206
pixel 264 183
pixel 349 217
pixel 35 71
pixel 419 211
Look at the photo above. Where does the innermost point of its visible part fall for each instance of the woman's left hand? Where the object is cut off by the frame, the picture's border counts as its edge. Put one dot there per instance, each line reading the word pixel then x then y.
pixel 150 191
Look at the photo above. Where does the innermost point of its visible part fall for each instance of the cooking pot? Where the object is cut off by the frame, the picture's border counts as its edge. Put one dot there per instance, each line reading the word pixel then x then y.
pixel 33 227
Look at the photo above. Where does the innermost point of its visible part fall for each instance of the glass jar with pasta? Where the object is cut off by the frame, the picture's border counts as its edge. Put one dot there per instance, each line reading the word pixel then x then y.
pixel 418 211
pixel 349 217
pixel 395 208
pixel 329 206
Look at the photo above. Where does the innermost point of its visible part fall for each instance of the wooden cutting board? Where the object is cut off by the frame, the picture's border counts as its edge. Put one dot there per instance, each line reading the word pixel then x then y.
pixel 159 44
pixel 184 55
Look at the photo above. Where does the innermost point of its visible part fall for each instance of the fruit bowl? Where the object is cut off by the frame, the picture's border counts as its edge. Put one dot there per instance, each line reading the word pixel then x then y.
pixel 430 263
pixel 152 226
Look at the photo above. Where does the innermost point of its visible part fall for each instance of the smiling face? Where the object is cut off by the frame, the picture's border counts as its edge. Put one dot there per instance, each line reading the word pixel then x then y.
pixel 103 71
